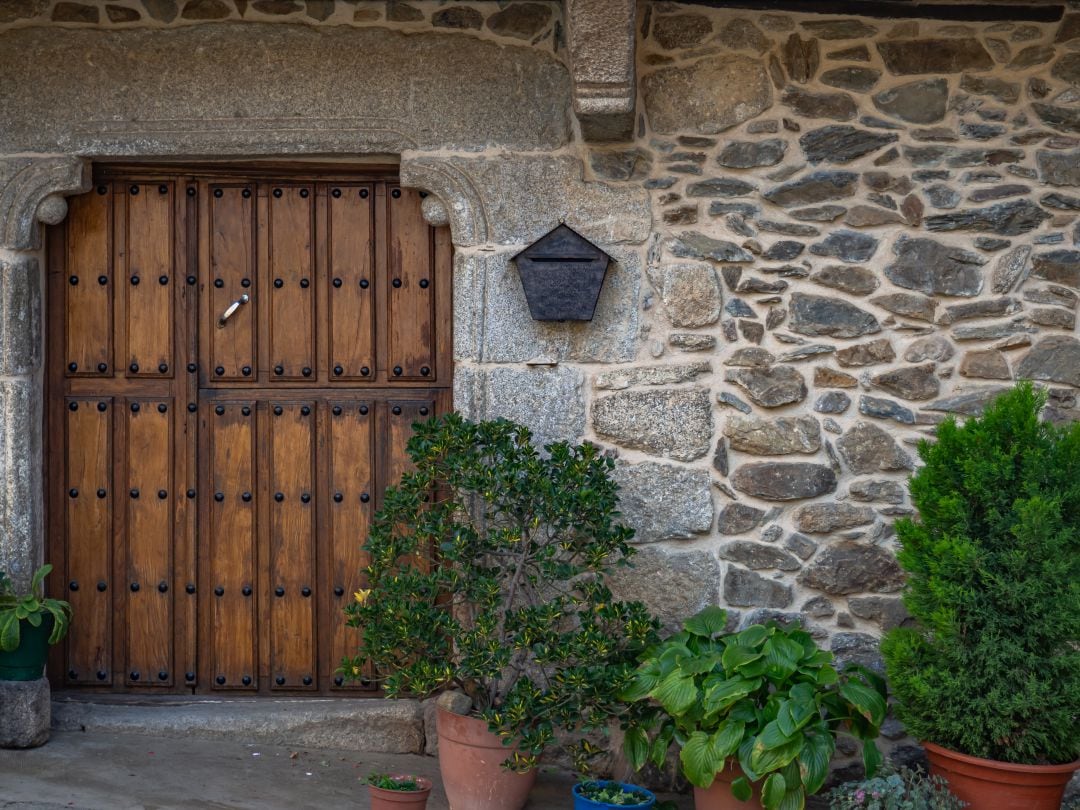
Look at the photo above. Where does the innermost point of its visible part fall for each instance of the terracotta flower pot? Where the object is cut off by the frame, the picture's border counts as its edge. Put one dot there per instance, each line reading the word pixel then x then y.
pixel 986 784
pixel 470 761
pixel 718 795
pixel 383 799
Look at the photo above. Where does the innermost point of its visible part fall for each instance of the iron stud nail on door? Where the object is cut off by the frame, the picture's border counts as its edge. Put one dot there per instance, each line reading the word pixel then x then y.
pixel 232 309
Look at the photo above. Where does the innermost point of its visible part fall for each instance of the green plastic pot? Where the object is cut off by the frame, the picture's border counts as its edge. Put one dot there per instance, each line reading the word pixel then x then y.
pixel 27 661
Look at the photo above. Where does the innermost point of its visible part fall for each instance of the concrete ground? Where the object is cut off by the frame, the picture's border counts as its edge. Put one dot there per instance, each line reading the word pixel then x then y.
pixel 109 771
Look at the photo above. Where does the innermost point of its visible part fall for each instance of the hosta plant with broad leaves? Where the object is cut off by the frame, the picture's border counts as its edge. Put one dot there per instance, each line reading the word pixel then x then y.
pixel 487 573
pixel 992 666
pixel 32 608
pixel 765 696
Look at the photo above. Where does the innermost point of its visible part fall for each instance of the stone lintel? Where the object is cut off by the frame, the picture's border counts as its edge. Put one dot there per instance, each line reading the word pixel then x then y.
pixel 601 38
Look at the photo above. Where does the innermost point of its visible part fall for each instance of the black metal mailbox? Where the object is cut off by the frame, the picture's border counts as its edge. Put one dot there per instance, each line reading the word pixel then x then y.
pixel 562 273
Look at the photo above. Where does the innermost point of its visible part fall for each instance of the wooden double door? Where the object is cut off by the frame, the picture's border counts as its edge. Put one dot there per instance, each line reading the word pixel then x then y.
pixel 235 360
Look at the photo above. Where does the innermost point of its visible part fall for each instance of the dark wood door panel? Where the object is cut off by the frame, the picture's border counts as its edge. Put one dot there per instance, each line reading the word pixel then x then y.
pixel 210 490
pixel 88 532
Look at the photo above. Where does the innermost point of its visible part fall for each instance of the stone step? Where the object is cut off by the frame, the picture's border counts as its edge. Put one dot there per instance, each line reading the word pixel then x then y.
pixel 366 725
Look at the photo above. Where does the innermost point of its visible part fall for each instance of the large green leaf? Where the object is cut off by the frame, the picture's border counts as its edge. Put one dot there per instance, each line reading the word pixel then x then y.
pixel 699 665
pixel 736 656
pixel 636 746
pixel 659 749
pixel 781 657
pixel 721 695
pixel 700 759
pixel 9 632
pixel 814 760
pixel 753 636
pixel 772 736
pixel 676 693
pixel 741 789
pixel 793 800
pixel 772 792
pixel 871 757
pixel 643 683
pixel 708 622
pixel 794 714
pixel 728 737
pixel 866 701
pixel 764 759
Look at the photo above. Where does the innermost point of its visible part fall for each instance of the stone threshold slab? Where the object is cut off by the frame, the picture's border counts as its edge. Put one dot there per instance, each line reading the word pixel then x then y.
pixel 367 725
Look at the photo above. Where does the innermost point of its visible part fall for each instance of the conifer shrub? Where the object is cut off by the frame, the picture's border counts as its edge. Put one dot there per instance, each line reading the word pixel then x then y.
pixel 992 668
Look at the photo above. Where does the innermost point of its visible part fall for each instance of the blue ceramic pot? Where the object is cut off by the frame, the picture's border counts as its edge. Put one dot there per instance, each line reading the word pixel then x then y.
pixel 583 803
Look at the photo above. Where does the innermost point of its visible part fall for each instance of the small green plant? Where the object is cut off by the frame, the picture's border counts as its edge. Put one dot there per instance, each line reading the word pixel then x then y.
pixel 487 573
pixel 992 668
pixel 613 793
pixel 31 607
pixel 405 784
pixel 902 789
pixel 766 696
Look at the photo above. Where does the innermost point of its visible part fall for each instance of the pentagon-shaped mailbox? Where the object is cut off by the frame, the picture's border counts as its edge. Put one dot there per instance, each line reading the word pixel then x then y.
pixel 562 273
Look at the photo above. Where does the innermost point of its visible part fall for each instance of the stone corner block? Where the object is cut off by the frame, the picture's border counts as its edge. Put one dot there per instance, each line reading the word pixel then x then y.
pixel 20 316
pixel 664 501
pixel 672 584
pixel 547 400
pixel 25 713
pixel 676 423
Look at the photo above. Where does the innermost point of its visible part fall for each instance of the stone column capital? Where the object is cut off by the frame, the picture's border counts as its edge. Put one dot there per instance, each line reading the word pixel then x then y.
pixel 32 188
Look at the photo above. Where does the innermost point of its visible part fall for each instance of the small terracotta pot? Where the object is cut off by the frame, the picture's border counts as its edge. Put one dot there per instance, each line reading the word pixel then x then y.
pixel 470 761
pixel 383 799
pixel 986 784
pixel 718 795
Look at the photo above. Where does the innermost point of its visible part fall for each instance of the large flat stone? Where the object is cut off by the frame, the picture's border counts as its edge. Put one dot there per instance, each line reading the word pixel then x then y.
pixel 770 387
pixel 507 333
pixel 817 315
pixel 744 588
pixel 829 517
pixel 784 481
pixel 814 188
pixel 549 401
pixel 516 199
pixel 904 57
pixel 1061 266
pixel 709 96
pixel 20 317
pixel 664 502
pixel 1006 219
pixel 850 567
pixel 866 448
pixel 690 292
pixel 25 712
pixel 376 726
pixel 672 584
pixel 934 268
pixel 1059 168
pixel 1055 358
pixel 921 102
pixel 675 423
pixel 115 92
pixel 840 143
pixel 773 437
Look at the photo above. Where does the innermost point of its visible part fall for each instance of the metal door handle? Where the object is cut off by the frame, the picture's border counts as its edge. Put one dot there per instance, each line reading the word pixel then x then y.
pixel 228 313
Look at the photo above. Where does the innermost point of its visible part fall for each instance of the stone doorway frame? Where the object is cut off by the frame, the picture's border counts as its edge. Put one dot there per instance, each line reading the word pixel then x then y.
pixel 33 192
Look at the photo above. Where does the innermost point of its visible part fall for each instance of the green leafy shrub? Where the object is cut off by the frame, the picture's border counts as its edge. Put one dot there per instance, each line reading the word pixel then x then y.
pixel 403 784
pixel 766 696
pixel 613 793
pixel 903 789
pixel 31 607
pixel 992 668
pixel 514 609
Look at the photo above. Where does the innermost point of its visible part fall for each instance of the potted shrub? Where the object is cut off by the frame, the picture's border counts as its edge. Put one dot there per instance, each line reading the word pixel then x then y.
pixel 29 623
pixel 597 795
pixel 487 574
pixel 398 792
pixel 989 677
pixel 755 714
pixel 902 789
